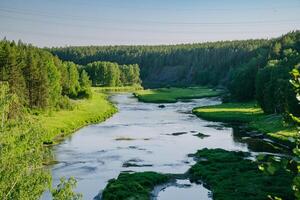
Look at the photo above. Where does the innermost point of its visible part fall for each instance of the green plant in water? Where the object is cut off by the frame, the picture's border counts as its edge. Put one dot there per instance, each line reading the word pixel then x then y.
pixel 65 190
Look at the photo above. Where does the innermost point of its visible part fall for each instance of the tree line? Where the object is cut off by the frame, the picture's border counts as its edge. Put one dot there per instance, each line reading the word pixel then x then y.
pixel 266 76
pixel 39 79
pixel 112 74
pixel 250 69
pixel 180 65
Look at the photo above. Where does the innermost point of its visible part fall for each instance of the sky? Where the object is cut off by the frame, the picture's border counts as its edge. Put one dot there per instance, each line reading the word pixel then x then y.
pixel 48 23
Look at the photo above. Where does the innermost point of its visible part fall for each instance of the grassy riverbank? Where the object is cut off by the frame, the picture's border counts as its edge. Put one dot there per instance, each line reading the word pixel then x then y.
pixel 58 124
pixel 229 175
pixel 272 125
pixel 21 142
pixel 133 186
pixel 172 95
pixel 119 89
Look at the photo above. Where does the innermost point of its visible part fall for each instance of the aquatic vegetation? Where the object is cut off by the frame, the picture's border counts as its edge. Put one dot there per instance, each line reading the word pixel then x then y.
pixel 230 175
pixel 178 133
pixel 135 186
pixel 135 163
pixel 124 139
pixel 201 135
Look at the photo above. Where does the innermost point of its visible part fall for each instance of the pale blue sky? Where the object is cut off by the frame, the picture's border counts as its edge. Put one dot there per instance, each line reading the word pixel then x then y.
pixel 110 22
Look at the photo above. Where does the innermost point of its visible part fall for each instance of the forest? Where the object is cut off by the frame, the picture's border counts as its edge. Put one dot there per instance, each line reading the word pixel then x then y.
pixel 38 91
pixel 39 79
pixel 48 93
pixel 113 75
pixel 263 67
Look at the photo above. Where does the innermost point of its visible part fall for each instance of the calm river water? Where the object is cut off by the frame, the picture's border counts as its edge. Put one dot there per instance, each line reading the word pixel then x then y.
pixel 144 135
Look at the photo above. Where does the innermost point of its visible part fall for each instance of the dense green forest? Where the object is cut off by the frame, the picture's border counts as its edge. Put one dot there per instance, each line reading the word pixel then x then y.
pixel 250 69
pixel 34 81
pixel 31 80
pixel 39 79
pixel 112 75
pixel 175 65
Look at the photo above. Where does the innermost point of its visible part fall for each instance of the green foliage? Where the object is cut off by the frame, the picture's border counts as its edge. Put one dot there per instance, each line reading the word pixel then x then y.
pixel 37 78
pixel 171 65
pixel 172 95
pixel 22 154
pixel 230 175
pixel 8 104
pixel 135 186
pixel 296 85
pixel 272 125
pixel 296 81
pixel 72 85
pixel 65 190
pixel 111 74
pixel 85 85
pixel 274 93
pixel 241 82
pixel 119 89
pixel 64 122
pixel 230 112
pixel 250 69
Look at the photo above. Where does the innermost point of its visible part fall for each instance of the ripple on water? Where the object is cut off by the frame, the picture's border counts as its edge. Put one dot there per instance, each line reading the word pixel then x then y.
pixel 93 156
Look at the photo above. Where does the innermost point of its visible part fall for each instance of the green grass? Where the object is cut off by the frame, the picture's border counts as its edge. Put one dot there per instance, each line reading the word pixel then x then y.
pixel 58 124
pixel 272 125
pixel 135 186
pixel 172 95
pixel 119 89
pixel 230 176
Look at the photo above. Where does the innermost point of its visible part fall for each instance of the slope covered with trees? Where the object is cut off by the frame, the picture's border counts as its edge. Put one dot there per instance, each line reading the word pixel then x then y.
pixel 250 70
pixel 39 79
pixel 174 65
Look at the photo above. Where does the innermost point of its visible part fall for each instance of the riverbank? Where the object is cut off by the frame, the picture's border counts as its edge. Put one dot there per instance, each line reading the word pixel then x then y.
pixel 58 124
pixel 272 126
pixel 172 95
pixel 119 89
pixel 228 174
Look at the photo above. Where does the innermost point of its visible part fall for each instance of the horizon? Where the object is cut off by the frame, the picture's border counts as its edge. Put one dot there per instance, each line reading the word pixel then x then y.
pixel 152 45
pixel 140 23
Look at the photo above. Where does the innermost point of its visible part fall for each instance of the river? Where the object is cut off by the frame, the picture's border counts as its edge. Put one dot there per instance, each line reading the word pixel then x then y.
pixel 142 137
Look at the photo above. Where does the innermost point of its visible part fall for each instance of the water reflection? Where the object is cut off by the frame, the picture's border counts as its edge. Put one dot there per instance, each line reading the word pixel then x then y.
pixel 95 154
pixel 182 190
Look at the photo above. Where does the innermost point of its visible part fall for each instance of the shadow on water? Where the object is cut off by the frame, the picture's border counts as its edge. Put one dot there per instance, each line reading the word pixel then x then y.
pixel 256 141
pixel 144 137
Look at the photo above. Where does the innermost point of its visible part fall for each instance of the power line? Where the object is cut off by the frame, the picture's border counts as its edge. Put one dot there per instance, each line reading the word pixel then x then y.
pixel 97 27
pixel 253 22
pixel 66 35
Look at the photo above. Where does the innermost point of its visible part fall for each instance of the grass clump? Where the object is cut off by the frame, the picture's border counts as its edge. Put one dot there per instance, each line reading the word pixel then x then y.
pixel 172 95
pixel 58 124
pixel 230 112
pixel 124 139
pixel 201 135
pixel 119 89
pixel 135 186
pixel 230 176
pixel 272 125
